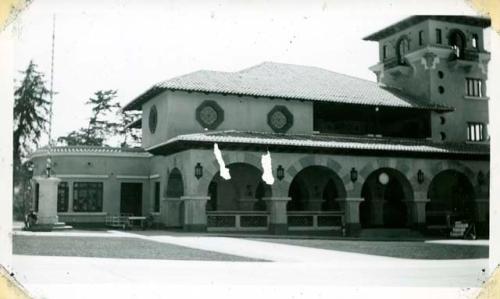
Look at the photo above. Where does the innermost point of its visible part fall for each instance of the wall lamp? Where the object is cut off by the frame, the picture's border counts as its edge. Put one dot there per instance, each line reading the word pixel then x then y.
pixel 354 175
pixel 198 170
pixel 280 172
pixel 420 176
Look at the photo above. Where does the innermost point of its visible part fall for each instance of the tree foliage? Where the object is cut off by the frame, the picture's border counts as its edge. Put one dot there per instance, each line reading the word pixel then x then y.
pixel 106 126
pixel 130 137
pixel 31 112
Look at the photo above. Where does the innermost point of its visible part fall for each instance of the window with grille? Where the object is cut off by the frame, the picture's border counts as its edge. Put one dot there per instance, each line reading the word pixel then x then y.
pixel 473 87
pixel 87 197
pixel 475 132
pixel 62 197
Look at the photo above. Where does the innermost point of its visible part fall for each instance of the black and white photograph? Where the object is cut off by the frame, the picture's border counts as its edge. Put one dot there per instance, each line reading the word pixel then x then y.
pixel 246 149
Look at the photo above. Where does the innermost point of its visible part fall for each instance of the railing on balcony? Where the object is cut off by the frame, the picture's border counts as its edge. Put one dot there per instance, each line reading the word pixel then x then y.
pixel 441 219
pixel 237 220
pixel 468 55
pixel 315 220
pixel 390 62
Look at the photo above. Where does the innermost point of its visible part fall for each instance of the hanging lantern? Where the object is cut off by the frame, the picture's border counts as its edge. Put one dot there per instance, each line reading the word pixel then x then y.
pixel 383 178
pixel 354 175
pixel 198 170
pixel 280 172
pixel 420 176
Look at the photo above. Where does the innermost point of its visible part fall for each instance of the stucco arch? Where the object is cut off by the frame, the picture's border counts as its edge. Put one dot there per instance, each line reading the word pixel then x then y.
pixel 316 188
pixel 401 167
pixel 385 203
pixel 451 165
pixel 314 160
pixel 212 167
pixel 451 192
pixel 244 191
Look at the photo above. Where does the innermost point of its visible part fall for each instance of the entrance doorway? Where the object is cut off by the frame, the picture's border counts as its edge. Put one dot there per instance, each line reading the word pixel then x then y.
pixel 131 199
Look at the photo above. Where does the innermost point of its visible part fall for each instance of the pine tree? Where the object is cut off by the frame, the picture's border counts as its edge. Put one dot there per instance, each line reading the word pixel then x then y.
pixel 31 113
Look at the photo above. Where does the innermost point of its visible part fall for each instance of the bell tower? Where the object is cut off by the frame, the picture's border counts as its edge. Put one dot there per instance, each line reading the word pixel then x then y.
pixel 439 60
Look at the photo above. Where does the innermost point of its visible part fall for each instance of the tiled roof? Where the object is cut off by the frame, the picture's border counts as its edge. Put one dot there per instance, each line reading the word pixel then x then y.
pixel 410 21
pixel 89 150
pixel 362 143
pixel 287 81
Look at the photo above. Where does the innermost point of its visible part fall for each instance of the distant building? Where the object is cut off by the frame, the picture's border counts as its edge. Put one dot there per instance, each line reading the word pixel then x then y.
pixel 410 151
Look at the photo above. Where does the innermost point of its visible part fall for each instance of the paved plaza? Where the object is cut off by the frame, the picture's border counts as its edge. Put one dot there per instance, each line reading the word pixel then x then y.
pixel 131 264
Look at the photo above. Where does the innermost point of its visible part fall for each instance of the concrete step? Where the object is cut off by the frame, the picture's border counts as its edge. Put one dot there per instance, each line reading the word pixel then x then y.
pixel 64 227
pixel 59 226
pixel 390 233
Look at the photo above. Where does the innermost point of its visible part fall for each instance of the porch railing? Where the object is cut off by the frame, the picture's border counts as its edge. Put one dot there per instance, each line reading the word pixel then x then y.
pixel 315 220
pixel 237 220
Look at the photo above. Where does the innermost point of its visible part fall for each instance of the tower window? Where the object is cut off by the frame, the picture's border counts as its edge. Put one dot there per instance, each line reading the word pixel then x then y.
pixel 473 87
pixel 384 52
pixel 403 47
pixel 420 37
pixel 457 42
pixel 438 36
pixel 475 131
pixel 475 41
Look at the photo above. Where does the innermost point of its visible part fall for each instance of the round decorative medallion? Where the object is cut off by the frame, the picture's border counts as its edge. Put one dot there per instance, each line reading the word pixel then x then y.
pixel 209 115
pixel 383 178
pixel 153 119
pixel 280 119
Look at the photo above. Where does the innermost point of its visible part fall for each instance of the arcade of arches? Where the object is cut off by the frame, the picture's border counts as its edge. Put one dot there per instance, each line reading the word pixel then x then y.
pixel 385 197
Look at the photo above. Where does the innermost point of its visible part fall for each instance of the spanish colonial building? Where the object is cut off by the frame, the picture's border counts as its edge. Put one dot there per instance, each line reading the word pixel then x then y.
pixel 410 151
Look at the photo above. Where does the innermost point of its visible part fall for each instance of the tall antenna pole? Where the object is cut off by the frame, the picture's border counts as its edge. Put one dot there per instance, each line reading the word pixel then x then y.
pixel 49 158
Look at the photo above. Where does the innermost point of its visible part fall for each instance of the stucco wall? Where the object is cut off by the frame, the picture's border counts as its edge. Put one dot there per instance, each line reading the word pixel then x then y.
pixel 453 81
pixel 112 171
pixel 177 114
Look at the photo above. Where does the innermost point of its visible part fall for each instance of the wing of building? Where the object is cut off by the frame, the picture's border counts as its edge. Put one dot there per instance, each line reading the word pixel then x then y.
pixel 408 152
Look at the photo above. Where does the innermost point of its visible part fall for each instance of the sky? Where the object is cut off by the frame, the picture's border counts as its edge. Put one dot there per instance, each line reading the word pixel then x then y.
pixel 130 45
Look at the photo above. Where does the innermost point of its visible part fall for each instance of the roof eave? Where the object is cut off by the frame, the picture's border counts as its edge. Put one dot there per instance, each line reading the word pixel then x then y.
pixel 182 145
pixel 412 20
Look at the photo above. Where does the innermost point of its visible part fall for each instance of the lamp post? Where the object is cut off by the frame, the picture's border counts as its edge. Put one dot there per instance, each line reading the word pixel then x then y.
pixel 27 175
pixel 48 166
